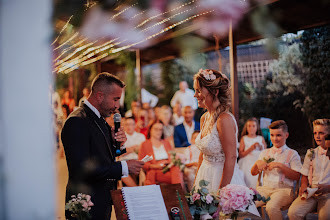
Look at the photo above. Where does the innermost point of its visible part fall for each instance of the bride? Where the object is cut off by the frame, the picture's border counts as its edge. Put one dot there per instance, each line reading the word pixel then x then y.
pixel 217 139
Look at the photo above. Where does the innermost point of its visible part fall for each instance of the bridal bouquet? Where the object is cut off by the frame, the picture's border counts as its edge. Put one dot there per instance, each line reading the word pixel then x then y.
pixel 202 203
pixel 176 160
pixel 237 198
pixel 80 206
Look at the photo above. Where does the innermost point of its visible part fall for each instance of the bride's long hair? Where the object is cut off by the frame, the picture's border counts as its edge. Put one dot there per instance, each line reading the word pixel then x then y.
pixel 222 84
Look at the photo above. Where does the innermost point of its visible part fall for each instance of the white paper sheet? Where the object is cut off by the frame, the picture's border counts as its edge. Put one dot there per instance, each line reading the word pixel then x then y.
pixel 145 203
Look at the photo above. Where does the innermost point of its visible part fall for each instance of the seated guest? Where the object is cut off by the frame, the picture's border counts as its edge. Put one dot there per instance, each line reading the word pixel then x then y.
pixel 166 117
pixel 156 146
pixel 134 139
pixel 251 144
pixel 191 154
pixel 184 131
pixel 278 174
pixel 134 111
pixel 315 174
pixel 142 122
pixel 177 114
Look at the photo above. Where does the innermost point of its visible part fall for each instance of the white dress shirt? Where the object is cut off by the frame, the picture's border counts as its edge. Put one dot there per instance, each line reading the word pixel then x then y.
pixel 147 97
pixel 189 129
pixel 321 167
pixel 273 178
pixel 185 98
pixel 135 139
pixel 123 163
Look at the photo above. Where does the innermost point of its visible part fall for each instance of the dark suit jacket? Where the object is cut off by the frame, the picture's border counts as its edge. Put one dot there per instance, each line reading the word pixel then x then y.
pixel 90 158
pixel 180 136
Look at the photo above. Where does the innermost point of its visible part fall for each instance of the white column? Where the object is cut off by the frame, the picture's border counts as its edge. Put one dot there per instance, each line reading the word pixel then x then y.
pixel 27 169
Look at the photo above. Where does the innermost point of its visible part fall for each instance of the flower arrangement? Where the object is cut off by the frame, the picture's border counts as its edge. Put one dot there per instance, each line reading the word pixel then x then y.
pixel 237 198
pixel 208 74
pixel 176 160
pixel 80 206
pixel 202 203
pixel 311 155
pixel 269 159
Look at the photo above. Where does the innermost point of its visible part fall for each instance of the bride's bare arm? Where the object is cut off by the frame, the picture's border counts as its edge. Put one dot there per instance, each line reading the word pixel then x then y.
pixel 200 159
pixel 227 132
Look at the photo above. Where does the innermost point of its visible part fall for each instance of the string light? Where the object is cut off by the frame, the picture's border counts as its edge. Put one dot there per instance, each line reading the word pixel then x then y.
pixel 68 40
pixel 63 28
pixel 119 13
pixel 67 64
pixel 69 48
pixel 169 18
pixel 155 16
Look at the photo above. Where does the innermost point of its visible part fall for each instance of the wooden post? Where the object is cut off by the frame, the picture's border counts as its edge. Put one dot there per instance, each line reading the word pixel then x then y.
pixel 233 73
pixel 139 74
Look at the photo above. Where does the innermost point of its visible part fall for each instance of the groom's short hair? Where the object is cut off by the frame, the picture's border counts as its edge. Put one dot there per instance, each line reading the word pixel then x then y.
pixel 280 124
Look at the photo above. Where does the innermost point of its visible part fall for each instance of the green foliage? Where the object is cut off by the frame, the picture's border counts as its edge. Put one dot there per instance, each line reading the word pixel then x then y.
pixel 287 72
pixel 247 98
pixel 315 50
pixel 172 73
pixel 61 81
pixel 280 95
pixel 128 59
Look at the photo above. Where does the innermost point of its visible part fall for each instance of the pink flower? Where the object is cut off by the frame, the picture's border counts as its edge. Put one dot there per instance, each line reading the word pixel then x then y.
pixel 209 198
pixel 90 203
pixel 196 196
pixel 235 197
pixel 88 198
pixel 84 205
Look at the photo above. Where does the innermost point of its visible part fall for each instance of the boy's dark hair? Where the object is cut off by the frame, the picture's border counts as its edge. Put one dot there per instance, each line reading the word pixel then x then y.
pixel 279 124
pixel 327 137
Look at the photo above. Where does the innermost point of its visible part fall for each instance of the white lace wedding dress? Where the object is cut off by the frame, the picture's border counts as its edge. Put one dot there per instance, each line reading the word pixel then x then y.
pixel 213 160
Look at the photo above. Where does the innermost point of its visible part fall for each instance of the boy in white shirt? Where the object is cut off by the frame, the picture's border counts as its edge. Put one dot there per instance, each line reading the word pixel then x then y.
pixel 315 174
pixel 281 166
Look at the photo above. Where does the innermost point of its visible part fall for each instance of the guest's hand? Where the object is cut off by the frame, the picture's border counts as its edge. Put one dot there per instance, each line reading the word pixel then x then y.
pixel 323 189
pixel 273 165
pixel 302 189
pixel 158 166
pixel 120 136
pixel 262 165
pixel 134 166
pixel 256 145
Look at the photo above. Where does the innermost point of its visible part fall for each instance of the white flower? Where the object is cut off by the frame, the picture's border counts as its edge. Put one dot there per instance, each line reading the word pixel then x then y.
pixel 208 74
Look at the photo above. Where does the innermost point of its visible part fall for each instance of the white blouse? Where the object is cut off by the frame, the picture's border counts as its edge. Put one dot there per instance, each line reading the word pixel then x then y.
pixel 160 153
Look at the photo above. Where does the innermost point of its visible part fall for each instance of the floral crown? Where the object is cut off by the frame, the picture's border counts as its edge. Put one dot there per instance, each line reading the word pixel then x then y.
pixel 208 74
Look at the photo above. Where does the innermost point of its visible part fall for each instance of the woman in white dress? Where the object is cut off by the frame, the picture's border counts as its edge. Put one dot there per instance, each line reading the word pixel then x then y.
pixel 217 139
pixel 251 144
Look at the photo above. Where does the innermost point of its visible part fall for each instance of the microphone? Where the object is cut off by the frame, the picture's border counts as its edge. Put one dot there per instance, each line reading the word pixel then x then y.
pixel 116 120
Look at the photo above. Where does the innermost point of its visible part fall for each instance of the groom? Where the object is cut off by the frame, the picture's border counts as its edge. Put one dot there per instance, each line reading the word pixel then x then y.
pixel 89 147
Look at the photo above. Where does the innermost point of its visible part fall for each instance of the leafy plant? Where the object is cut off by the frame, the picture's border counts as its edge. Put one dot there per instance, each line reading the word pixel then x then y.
pixel 201 201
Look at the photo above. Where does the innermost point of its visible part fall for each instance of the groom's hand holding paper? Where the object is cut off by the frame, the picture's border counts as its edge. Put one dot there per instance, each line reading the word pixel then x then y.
pixel 134 166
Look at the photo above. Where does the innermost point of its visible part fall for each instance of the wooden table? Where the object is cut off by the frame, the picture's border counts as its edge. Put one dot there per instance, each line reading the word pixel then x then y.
pixel 169 193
